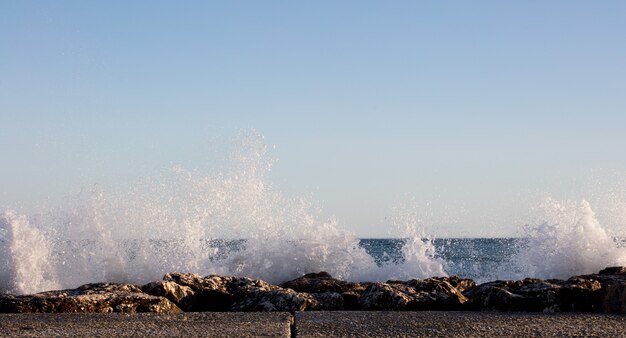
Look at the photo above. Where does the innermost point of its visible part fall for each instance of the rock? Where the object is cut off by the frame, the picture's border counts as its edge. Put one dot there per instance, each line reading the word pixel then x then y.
pixel 257 295
pixel 218 293
pixel 208 293
pixel 441 292
pixel 579 294
pixel 612 282
pixel 605 291
pixel 525 295
pixel 461 284
pixel 615 298
pixel 327 301
pixel 321 282
pixel 426 294
pixel 381 296
pixel 613 270
pixel 327 292
pixel 530 294
pixel 183 296
pixel 99 297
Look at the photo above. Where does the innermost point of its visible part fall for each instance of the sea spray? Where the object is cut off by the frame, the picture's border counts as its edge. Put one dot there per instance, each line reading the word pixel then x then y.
pixel 24 256
pixel 418 257
pixel 229 221
pixel 568 241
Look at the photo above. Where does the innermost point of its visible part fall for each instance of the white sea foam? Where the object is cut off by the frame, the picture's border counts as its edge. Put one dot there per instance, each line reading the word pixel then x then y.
pixel 166 223
pixel 174 221
pixel 24 256
pixel 569 241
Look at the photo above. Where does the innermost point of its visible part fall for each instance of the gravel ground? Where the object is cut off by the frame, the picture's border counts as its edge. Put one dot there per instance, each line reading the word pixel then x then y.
pixel 315 324
pixel 458 324
pixel 206 324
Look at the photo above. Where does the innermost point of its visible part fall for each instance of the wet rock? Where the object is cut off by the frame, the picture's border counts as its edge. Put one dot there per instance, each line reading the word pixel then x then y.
pixel 605 291
pixel 257 295
pixel 426 294
pixel 613 270
pixel 531 294
pixel 579 294
pixel 382 296
pixel 181 295
pixel 226 293
pixel 327 292
pixel 615 298
pixel 209 293
pixel 327 301
pixel 319 283
pixel 612 282
pixel 525 295
pixel 461 284
pixel 99 297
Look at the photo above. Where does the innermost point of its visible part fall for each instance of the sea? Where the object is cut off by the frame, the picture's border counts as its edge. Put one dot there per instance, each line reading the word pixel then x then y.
pixel 480 259
pixel 233 221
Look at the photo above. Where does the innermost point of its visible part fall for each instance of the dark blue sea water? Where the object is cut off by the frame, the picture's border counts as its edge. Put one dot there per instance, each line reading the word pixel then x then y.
pixel 477 258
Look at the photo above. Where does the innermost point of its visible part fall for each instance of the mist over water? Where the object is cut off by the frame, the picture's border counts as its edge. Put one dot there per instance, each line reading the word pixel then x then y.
pixel 234 222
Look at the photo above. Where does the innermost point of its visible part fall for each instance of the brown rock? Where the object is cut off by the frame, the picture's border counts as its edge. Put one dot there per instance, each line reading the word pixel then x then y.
pixel 525 295
pixel 613 270
pixel 183 296
pixel 99 297
pixel 319 283
pixel 615 298
pixel 426 294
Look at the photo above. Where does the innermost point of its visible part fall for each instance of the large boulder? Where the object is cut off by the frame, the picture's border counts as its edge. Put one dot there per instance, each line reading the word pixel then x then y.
pixel 181 295
pixel 327 292
pixel 513 295
pixel 416 294
pixel 193 292
pixel 320 282
pixel 531 294
pixel 98 297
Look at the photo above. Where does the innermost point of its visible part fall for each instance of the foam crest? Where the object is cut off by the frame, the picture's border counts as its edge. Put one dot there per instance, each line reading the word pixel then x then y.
pixel 24 256
pixel 229 222
pixel 569 242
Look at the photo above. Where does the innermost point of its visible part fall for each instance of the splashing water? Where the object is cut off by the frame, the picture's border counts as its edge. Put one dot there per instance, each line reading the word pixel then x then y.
pixel 571 241
pixel 24 256
pixel 231 222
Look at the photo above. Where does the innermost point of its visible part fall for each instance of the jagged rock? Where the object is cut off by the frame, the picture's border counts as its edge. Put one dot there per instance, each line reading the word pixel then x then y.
pixel 530 294
pixel 218 293
pixel 327 301
pixel 441 293
pixel 579 294
pixel 416 294
pixel 381 296
pixel 613 270
pixel 321 282
pixel 257 295
pixel 605 291
pixel 209 293
pixel 99 297
pixel 615 298
pixel 181 295
pixel 461 284
pixel 525 295
pixel 612 282
pixel 329 293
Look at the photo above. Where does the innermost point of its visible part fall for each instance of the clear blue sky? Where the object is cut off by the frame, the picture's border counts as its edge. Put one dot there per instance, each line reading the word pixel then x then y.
pixel 469 107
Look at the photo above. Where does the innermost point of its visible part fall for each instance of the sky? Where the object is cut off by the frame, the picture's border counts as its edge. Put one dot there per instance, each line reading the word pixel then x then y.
pixel 471 111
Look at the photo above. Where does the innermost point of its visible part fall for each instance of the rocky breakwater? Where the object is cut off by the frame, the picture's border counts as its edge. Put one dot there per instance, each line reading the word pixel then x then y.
pixel 601 292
